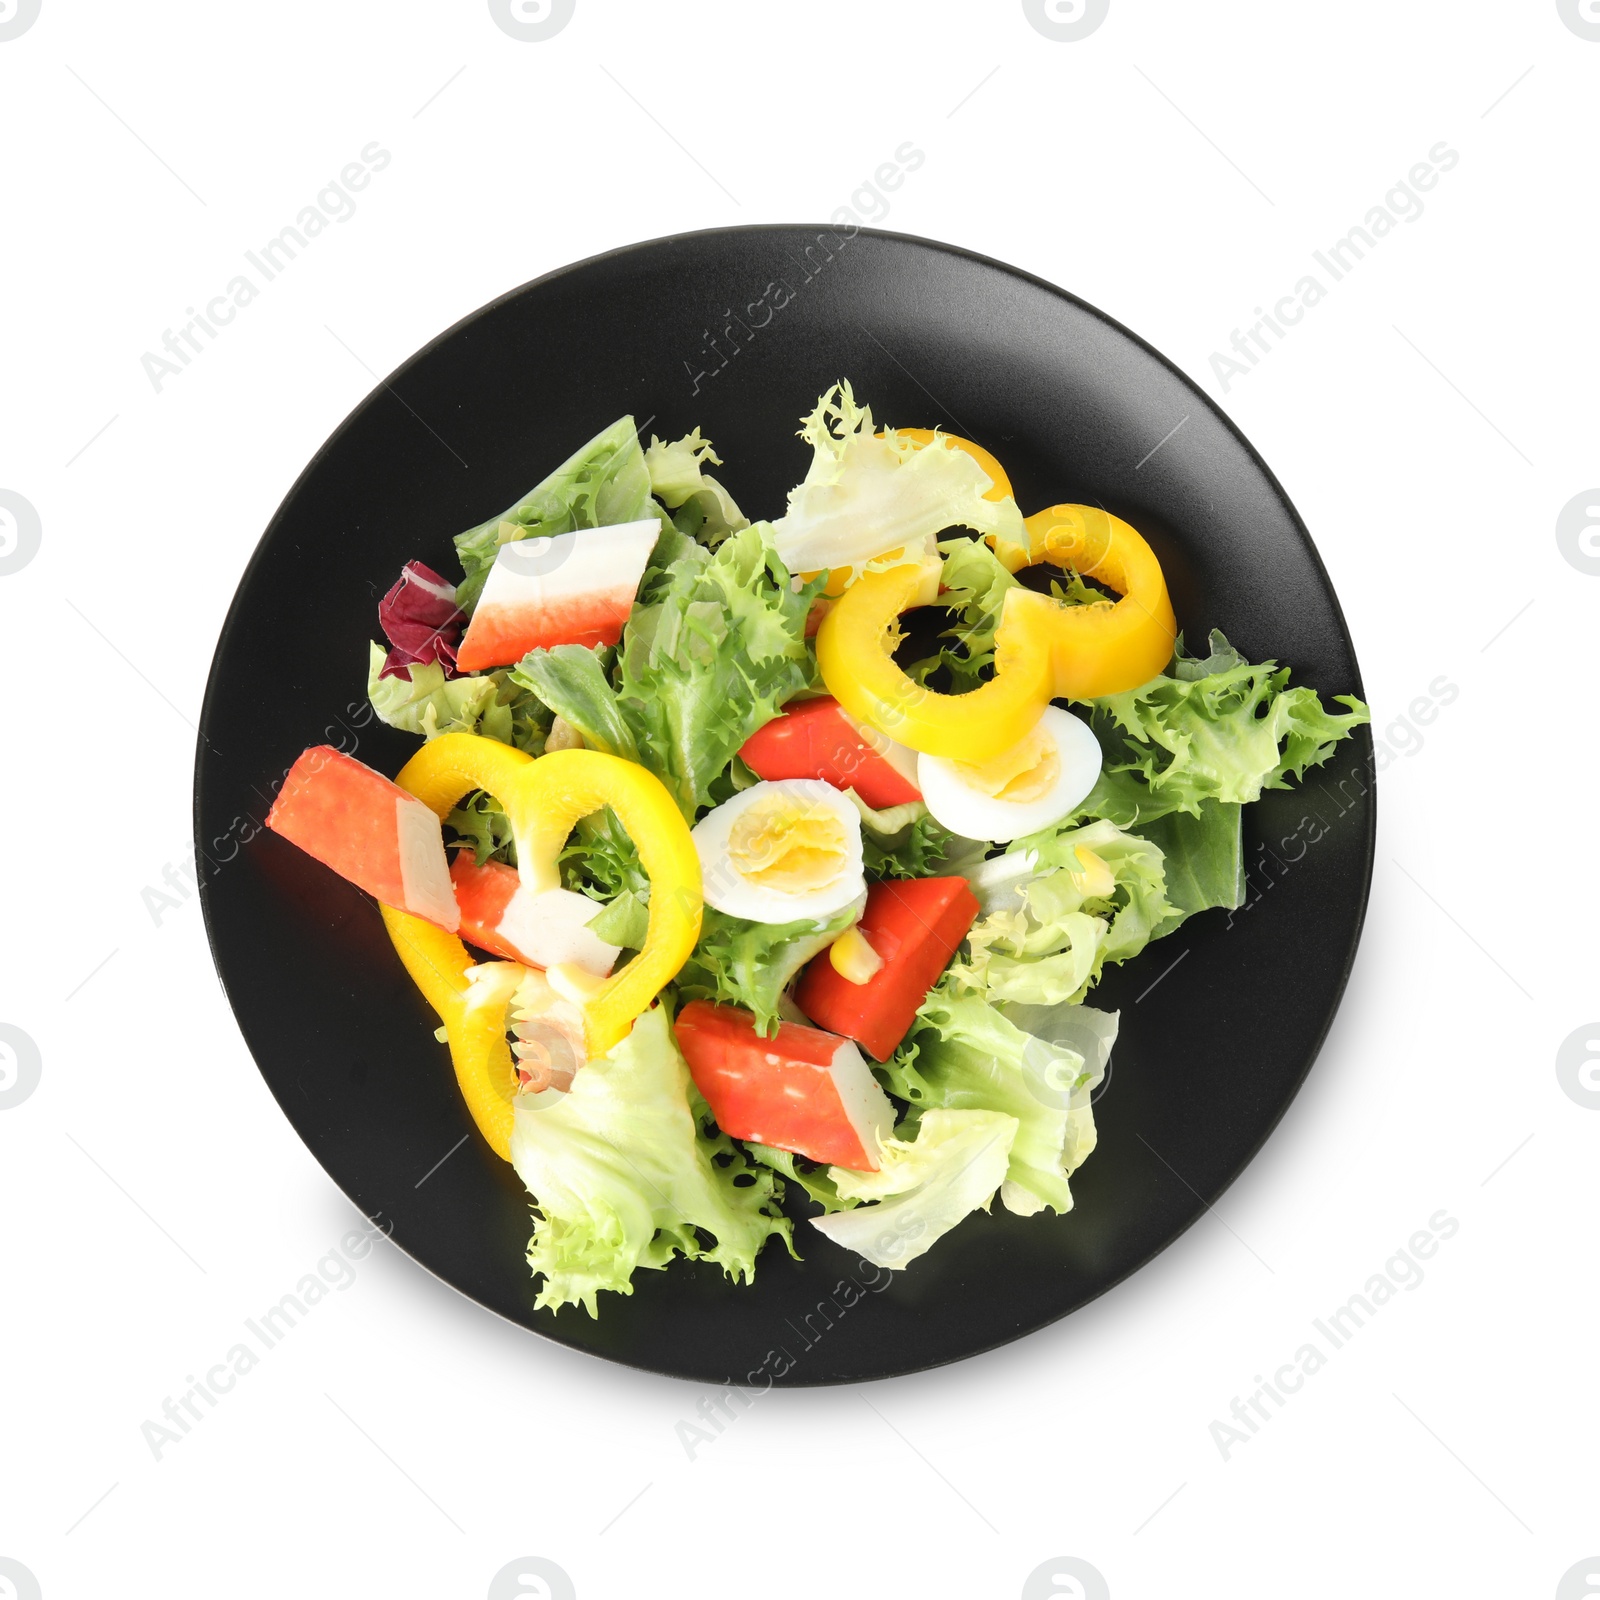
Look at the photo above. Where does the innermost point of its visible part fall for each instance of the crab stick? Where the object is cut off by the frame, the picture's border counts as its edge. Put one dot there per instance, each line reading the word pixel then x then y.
pixel 369 831
pixel 803 1090
pixel 573 588
pixel 914 926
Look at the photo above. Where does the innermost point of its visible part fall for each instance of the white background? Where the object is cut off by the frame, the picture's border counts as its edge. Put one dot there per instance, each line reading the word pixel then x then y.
pixel 1430 419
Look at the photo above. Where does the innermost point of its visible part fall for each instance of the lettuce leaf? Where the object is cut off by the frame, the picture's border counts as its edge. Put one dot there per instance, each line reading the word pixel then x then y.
pixel 602 483
pixel 1048 927
pixel 700 506
pixel 480 821
pixel 713 648
pixel 867 493
pixel 963 1055
pixel 1215 728
pixel 810 1177
pixel 901 841
pixel 750 964
pixel 924 1187
pixel 429 703
pixel 974 588
pixel 1204 858
pixel 571 680
pixel 624 1175
pixel 712 659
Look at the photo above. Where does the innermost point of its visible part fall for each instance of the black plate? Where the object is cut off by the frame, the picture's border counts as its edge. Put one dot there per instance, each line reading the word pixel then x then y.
pixel 1072 404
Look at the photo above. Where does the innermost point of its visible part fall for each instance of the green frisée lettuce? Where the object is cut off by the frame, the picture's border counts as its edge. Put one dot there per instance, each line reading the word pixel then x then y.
pixel 750 964
pixel 1215 728
pixel 974 586
pixel 602 483
pixel 868 493
pixel 963 1055
pixel 700 506
pixel 814 1180
pixel 624 1176
pixel 923 1187
pixel 711 660
pixel 901 841
pixel 1056 908
pixel 429 703
pixel 712 650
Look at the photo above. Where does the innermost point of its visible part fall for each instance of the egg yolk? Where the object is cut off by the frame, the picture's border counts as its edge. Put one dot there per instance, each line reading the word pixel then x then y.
pixel 782 843
pixel 1023 773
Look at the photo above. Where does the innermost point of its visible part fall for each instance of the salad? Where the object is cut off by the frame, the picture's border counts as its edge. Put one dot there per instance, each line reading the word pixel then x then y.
pixel 732 879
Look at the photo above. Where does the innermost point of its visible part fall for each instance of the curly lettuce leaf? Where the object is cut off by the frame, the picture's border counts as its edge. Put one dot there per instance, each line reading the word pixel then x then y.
pixel 868 492
pixel 713 648
pixel 750 964
pixel 1215 728
pixel 974 587
pixel 425 701
pixel 814 1180
pixel 602 483
pixel 624 1176
pixel 711 660
pixel 924 1187
pixel 963 1055
pixel 700 506
pixel 1056 908
pixel 901 841
pixel 481 822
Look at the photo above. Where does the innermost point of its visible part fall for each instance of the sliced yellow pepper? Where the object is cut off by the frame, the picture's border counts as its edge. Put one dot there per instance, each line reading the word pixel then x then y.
pixel 438 962
pixel 854 651
pixel 543 799
pixel 1042 649
pixel 1111 647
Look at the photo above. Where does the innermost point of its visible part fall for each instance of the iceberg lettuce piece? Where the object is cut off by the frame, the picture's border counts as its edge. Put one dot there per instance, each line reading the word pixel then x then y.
pixel 963 1055
pixel 868 493
pixel 923 1188
pixel 624 1175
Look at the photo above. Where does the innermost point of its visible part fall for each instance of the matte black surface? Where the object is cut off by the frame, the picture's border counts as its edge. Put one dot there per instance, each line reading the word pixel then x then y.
pixel 1071 404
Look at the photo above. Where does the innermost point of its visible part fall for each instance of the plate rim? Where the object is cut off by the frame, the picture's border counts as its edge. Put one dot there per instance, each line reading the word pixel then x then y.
pixel 235 611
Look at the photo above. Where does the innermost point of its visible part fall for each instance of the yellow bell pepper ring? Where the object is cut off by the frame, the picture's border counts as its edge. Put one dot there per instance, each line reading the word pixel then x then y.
pixel 438 962
pixel 543 799
pixel 854 646
pixel 1106 648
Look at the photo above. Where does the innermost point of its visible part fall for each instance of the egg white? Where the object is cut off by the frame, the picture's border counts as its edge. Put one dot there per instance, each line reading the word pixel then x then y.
pixel 727 889
pixel 974 815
